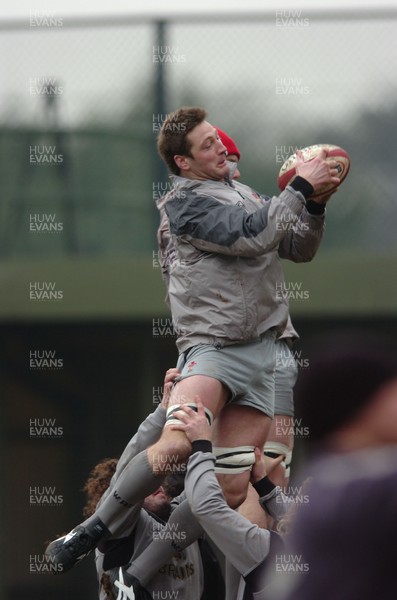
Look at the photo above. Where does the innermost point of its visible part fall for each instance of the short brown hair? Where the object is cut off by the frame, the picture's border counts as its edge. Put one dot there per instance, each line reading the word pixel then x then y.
pixel 172 138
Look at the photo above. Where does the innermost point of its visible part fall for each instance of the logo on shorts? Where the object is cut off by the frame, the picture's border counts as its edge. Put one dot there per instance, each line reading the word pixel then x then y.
pixel 191 366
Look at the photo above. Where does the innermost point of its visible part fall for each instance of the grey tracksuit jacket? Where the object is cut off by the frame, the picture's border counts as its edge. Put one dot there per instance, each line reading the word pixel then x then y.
pixel 222 263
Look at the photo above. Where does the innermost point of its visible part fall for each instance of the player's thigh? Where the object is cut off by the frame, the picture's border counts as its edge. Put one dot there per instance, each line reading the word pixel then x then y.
pixel 173 446
pixel 282 430
pixel 240 425
pixel 213 394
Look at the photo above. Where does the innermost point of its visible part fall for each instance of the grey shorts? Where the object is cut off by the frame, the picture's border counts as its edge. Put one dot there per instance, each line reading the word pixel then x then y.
pixel 286 374
pixel 247 370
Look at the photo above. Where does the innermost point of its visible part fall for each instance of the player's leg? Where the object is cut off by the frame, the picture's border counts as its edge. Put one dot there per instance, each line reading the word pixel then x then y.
pixel 236 428
pixel 280 440
pixel 115 515
pixel 173 447
pixel 144 474
pixel 245 422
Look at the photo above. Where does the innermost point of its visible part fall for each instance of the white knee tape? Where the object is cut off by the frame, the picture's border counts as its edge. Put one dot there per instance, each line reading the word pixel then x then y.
pixel 234 460
pixel 172 420
pixel 275 448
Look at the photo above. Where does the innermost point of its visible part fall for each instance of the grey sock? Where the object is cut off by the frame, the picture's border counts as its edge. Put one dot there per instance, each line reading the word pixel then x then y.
pixel 181 530
pixel 124 498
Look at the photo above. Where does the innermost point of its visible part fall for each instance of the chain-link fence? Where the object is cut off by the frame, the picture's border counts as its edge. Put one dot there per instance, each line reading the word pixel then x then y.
pixel 81 103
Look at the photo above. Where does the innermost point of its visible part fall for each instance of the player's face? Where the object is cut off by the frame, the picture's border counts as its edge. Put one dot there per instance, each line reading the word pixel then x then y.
pixel 208 160
pixel 158 503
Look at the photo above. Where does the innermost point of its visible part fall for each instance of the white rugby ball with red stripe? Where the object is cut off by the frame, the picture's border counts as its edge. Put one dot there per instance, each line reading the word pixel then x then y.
pixel 287 171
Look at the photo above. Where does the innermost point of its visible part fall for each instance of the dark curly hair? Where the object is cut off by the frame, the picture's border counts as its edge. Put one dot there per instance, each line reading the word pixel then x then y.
pixel 97 483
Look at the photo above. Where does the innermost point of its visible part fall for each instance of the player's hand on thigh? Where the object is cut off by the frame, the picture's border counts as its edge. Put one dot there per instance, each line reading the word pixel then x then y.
pixel 169 380
pixel 194 424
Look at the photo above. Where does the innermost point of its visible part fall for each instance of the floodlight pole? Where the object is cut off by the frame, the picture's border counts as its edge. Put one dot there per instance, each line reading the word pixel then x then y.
pixel 160 174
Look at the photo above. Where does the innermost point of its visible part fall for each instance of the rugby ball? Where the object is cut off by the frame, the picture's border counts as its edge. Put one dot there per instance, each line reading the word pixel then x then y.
pixel 287 171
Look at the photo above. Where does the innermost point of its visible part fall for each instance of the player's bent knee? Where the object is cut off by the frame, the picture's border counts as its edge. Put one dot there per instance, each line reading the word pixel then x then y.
pixel 281 473
pixel 233 467
pixel 170 452
pixel 173 448
pixel 231 461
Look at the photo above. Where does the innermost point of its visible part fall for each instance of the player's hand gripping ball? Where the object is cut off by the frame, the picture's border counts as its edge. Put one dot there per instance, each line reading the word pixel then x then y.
pixel 287 171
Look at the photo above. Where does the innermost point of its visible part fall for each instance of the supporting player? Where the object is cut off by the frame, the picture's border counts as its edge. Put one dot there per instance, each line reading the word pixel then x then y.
pixel 181 575
pixel 248 548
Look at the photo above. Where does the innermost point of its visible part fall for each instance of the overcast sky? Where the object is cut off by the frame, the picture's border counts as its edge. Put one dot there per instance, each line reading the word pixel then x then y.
pixel 22 8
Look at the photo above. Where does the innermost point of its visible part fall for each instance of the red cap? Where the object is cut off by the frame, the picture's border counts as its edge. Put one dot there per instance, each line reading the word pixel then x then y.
pixel 227 141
